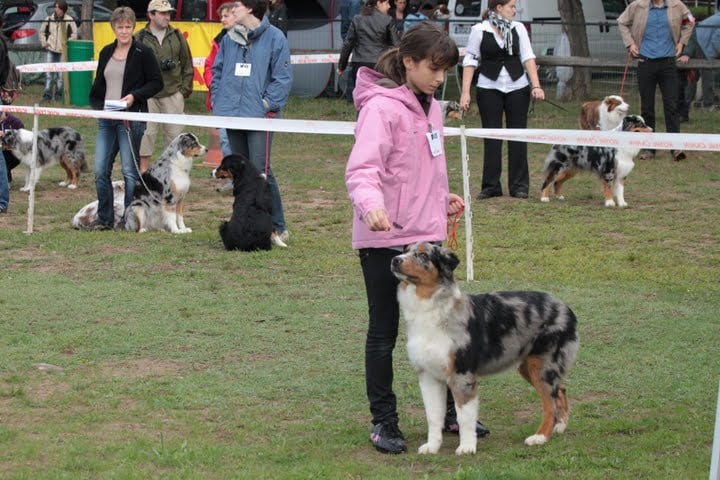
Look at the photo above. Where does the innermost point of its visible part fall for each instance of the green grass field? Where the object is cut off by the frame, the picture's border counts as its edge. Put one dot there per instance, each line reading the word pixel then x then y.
pixel 131 356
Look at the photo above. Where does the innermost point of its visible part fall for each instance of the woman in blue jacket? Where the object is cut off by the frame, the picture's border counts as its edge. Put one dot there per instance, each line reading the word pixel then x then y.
pixel 252 77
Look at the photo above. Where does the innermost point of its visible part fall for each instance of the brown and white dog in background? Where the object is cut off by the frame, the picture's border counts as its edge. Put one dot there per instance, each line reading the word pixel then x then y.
pixel 605 114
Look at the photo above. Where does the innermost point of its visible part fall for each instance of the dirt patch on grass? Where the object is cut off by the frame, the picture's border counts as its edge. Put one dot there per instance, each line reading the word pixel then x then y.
pixel 48 388
pixel 148 367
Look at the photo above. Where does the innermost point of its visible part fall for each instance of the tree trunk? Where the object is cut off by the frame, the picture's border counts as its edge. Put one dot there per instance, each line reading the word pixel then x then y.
pixel 573 19
pixel 86 20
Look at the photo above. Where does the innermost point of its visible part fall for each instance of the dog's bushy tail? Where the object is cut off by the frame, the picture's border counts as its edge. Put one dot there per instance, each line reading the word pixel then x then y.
pixel 82 163
pixel 552 167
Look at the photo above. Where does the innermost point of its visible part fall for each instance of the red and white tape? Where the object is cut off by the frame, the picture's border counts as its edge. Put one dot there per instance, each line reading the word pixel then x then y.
pixel 660 141
pixel 91 65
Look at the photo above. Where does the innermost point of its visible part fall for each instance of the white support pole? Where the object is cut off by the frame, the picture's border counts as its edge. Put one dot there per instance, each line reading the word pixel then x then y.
pixel 467 198
pixel 33 172
pixel 715 462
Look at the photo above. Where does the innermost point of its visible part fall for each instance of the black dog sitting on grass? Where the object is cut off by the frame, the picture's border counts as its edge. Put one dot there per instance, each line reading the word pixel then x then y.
pixel 250 226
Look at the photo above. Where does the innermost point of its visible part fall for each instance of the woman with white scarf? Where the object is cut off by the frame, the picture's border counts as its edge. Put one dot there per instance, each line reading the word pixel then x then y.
pixel 499 48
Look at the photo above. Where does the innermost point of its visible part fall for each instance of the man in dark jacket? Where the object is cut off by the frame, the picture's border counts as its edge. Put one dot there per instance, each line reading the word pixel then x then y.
pixel 279 15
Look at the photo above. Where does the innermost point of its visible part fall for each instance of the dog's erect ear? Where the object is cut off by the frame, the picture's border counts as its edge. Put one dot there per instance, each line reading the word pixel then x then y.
pixel 445 261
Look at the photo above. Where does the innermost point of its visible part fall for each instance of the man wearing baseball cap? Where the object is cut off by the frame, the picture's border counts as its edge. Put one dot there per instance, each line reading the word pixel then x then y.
pixel 176 66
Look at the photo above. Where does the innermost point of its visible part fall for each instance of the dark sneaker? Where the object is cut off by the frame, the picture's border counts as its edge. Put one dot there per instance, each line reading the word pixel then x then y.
pixel 451 426
pixel 520 194
pixel 96 226
pixel 488 194
pixel 387 438
pixel 3 209
pixel 646 154
pixel 678 155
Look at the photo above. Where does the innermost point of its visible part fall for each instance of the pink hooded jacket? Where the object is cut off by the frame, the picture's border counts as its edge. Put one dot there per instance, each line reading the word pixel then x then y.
pixel 391 166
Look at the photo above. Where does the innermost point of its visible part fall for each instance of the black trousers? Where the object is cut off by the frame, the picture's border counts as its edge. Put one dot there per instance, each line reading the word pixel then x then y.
pixel 659 73
pixel 384 312
pixel 352 77
pixel 514 105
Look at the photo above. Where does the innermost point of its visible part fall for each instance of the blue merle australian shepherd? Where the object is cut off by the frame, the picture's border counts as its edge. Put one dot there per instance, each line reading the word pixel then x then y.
pixel 158 199
pixel 453 338
pixel 57 145
pixel 611 164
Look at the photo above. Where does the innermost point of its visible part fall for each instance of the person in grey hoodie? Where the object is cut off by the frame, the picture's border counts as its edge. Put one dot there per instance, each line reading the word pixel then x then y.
pixel 370 34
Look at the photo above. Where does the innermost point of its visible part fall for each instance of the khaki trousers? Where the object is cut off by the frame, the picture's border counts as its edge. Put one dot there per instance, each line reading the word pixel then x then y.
pixel 171 104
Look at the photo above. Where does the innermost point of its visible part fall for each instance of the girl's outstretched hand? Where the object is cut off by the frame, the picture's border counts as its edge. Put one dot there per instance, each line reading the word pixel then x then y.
pixel 377 220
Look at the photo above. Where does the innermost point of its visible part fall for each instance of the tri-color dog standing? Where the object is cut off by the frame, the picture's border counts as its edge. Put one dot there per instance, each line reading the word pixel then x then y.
pixel 453 338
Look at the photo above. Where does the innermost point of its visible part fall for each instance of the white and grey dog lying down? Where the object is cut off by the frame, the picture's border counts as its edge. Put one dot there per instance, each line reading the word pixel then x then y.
pixel 87 215
pixel 57 145
pixel 158 199
pixel 612 165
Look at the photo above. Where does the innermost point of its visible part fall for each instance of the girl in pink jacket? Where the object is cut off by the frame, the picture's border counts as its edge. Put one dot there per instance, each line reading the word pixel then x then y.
pixel 396 178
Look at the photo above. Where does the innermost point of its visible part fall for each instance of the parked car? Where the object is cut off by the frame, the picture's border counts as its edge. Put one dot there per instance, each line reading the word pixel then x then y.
pixel 23 18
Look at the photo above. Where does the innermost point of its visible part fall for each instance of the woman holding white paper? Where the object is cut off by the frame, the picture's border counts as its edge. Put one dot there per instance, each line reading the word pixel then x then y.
pixel 128 74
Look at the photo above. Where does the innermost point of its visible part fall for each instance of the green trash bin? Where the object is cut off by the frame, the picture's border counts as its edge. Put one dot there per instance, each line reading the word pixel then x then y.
pixel 80 82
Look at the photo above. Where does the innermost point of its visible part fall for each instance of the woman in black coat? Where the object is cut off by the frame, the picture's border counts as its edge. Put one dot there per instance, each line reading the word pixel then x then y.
pixel 128 74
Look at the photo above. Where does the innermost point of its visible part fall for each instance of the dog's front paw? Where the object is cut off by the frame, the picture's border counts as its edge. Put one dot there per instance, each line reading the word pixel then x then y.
pixel 560 197
pixel 184 230
pixel 464 449
pixel 142 230
pixel 535 440
pixel 72 187
pixel 622 204
pixel 609 203
pixel 560 427
pixel 63 183
pixel 429 447
pixel 24 189
pixel 545 199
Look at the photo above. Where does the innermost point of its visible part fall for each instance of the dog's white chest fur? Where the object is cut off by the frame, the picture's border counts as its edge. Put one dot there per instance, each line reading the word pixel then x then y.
pixel 428 344
pixel 179 173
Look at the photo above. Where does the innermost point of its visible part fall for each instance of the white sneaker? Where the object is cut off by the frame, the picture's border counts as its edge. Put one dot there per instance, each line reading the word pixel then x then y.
pixel 277 241
pixel 284 235
pixel 227 187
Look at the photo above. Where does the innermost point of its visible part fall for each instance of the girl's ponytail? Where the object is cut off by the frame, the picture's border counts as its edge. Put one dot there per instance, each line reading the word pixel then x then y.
pixel 423 41
pixel 390 64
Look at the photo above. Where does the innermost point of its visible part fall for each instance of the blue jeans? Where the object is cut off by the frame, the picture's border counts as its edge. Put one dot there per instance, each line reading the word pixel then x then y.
pixel 112 137
pixel 53 57
pixel 4 186
pixel 252 145
pixel 224 142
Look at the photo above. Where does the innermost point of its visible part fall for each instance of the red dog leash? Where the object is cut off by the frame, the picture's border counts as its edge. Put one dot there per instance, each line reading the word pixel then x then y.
pixel 627 65
pixel 452 231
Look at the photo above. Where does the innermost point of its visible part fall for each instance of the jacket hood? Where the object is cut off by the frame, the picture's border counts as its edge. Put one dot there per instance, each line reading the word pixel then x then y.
pixel 370 84
pixel 238 34
pixel 257 31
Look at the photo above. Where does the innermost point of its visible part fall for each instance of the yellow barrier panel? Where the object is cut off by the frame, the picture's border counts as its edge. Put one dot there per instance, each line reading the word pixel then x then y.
pixel 199 36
